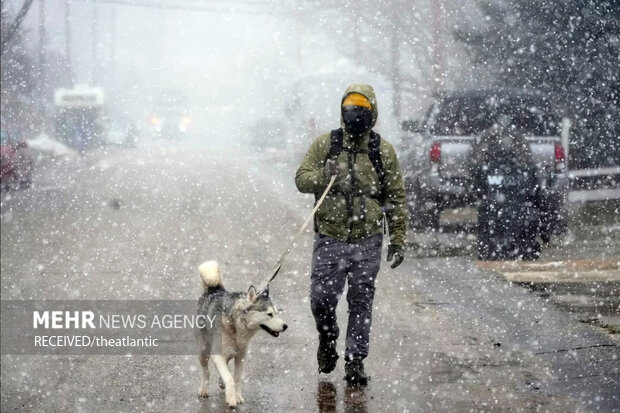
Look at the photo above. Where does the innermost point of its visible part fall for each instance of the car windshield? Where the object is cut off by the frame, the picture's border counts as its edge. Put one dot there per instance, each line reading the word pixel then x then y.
pixel 470 115
pixel 171 104
pixel 529 116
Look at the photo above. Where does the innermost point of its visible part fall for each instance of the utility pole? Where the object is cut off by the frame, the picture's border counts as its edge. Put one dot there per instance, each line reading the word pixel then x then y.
pixel 68 39
pixel 112 57
pixel 94 45
pixel 299 38
pixel 395 69
pixel 42 61
pixel 437 35
pixel 356 33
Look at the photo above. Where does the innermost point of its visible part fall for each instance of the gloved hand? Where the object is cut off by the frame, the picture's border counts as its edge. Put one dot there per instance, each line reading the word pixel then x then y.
pixel 398 253
pixel 343 178
pixel 330 169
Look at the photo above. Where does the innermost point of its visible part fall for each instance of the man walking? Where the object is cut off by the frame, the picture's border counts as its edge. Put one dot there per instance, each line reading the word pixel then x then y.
pixel 349 225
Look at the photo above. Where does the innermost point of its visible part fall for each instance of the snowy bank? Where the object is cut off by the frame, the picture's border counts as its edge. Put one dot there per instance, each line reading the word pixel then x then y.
pixel 49 146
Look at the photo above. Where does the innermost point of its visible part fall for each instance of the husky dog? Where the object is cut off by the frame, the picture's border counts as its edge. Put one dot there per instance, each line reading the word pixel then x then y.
pixel 243 314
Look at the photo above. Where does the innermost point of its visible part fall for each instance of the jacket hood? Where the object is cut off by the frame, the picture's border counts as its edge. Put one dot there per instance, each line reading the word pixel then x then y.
pixel 367 91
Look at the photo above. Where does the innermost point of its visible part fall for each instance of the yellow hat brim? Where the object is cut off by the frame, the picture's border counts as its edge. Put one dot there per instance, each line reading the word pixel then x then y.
pixel 357 99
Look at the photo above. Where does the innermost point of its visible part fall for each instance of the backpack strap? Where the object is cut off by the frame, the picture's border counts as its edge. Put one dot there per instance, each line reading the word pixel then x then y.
pixel 335 148
pixel 374 154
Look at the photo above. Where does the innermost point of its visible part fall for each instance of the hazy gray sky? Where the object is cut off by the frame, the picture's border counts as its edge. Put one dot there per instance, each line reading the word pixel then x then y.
pixel 233 66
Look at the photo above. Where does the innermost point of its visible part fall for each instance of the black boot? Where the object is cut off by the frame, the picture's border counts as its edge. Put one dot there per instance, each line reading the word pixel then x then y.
pixel 354 373
pixel 327 355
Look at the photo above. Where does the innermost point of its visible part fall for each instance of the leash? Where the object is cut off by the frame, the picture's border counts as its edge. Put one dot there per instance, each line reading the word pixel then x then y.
pixel 265 283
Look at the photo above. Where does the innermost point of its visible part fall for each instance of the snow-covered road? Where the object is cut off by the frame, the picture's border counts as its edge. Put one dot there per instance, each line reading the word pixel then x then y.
pixel 448 335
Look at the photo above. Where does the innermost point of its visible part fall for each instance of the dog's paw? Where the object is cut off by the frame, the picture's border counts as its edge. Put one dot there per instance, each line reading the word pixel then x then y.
pixel 232 401
pixel 203 391
pixel 231 398
pixel 239 397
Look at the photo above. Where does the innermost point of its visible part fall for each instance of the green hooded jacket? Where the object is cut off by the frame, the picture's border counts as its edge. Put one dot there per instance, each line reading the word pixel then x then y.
pixel 360 184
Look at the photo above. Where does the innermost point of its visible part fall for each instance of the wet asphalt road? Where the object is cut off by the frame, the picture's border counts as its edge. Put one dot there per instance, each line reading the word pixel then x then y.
pixel 447 334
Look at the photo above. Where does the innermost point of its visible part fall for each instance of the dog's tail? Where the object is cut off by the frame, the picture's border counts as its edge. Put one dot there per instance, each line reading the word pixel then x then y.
pixel 210 275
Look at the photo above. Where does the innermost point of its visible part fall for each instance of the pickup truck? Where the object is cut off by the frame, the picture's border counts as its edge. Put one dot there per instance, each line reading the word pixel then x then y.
pixel 437 150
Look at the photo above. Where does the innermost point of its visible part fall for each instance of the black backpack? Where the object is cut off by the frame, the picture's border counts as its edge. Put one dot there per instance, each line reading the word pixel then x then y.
pixel 374 154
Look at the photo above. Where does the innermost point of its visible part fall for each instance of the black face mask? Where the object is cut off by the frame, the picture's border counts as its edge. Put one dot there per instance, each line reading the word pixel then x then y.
pixel 357 120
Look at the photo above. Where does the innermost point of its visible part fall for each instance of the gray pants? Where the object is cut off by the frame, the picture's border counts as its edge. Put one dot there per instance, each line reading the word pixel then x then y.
pixel 334 263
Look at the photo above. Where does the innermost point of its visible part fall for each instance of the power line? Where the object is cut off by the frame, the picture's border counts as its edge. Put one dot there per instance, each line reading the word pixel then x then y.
pixel 190 5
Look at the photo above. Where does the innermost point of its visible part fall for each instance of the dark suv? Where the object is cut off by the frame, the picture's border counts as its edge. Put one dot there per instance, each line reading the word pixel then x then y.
pixel 438 150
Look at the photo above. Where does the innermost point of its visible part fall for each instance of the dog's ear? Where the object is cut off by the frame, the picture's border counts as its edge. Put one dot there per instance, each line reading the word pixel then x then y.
pixel 265 292
pixel 252 295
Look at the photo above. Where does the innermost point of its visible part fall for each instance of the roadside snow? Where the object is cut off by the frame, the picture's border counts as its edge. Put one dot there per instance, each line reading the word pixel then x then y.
pixel 44 143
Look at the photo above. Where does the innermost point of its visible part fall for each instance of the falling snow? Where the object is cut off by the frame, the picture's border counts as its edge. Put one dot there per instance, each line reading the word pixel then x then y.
pixel 141 138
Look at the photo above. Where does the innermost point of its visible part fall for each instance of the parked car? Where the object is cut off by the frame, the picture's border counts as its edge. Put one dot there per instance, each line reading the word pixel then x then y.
pixel 121 132
pixel 170 117
pixel 504 178
pixel 438 150
pixel 16 162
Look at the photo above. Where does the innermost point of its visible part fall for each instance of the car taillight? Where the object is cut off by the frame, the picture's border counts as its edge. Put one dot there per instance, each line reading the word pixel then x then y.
pixel 559 153
pixel 559 157
pixel 435 152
